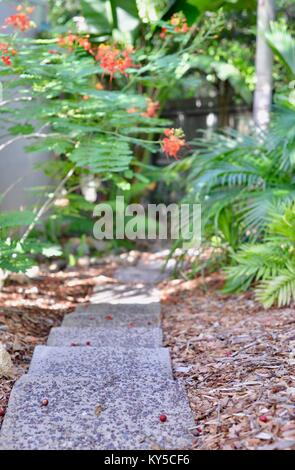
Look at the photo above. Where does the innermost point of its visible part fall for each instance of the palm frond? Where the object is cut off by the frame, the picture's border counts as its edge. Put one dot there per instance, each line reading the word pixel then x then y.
pixel 279 290
pixel 283 45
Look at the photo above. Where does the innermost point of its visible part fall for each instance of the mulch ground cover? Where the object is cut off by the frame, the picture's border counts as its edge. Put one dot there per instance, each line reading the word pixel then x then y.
pixel 237 362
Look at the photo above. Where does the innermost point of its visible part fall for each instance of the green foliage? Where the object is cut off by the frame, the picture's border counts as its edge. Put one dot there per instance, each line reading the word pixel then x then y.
pixel 283 44
pixel 270 265
pixel 16 253
pixel 64 102
pixel 15 219
pixel 241 173
pixel 246 187
pixel 18 256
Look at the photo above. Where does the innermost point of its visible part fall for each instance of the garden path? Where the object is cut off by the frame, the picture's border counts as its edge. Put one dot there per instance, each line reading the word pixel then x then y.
pixel 103 381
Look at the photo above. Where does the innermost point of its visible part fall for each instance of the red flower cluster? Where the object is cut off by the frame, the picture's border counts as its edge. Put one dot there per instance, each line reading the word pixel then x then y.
pixel 20 20
pixel 114 60
pixel 6 52
pixel 178 23
pixel 173 142
pixel 152 108
pixel 111 58
pixel 72 40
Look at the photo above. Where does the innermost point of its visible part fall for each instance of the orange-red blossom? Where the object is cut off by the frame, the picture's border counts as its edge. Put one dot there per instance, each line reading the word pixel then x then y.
pixel 20 20
pixel 73 39
pixel 111 58
pixel 179 24
pixel 114 60
pixel 6 51
pixel 151 109
pixel 173 142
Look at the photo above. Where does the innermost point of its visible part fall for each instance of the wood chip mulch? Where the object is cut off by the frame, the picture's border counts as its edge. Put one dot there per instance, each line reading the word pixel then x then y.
pixel 237 362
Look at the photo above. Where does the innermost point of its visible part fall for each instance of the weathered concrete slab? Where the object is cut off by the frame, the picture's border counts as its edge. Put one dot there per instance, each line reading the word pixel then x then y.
pixel 122 294
pixel 110 316
pixel 89 415
pixel 101 363
pixel 100 337
pixel 152 308
pixel 148 271
pixel 133 274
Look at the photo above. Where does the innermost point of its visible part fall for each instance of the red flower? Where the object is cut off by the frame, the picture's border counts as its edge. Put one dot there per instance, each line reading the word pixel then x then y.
pixel 99 86
pixel 178 23
pixel 68 40
pixel 4 47
pixel 178 20
pixel 173 142
pixel 28 10
pixel 86 44
pixel 163 33
pixel 72 39
pixel 6 59
pixel 152 108
pixel 132 110
pixel 6 51
pixel 113 60
pixel 19 21
pixel 169 132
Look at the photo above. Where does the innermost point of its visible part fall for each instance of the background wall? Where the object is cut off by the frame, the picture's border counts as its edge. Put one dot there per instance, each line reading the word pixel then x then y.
pixel 15 164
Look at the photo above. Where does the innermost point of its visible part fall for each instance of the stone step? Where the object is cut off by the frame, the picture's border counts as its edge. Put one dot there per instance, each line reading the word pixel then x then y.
pixel 152 308
pixel 102 363
pixel 133 274
pixel 122 293
pixel 86 414
pixel 109 316
pixel 99 337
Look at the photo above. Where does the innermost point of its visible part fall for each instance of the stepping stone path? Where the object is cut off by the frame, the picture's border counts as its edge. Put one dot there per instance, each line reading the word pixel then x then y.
pixel 103 381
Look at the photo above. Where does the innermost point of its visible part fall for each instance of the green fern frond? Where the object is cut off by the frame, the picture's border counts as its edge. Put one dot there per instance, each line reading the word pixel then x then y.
pixel 279 290
pixel 253 263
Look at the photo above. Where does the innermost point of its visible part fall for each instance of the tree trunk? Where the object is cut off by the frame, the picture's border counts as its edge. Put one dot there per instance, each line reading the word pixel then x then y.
pixel 263 64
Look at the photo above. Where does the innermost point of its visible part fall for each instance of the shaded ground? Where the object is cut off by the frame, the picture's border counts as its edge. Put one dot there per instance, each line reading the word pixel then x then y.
pixel 237 362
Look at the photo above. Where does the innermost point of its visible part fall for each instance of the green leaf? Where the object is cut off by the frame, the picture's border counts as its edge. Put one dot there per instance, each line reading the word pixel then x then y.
pixel 16 219
pixel 53 250
pixel 283 45
pixel 21 129
pixel 102 154
pixel 151 11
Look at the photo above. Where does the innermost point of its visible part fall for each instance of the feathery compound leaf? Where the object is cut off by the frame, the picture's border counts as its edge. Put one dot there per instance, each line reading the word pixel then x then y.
pixel 102 154
pixel 16 219
pixel 280 290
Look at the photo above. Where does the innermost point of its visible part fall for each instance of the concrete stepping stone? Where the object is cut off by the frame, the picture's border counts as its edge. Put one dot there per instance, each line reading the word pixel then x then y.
pixel 101 363
pixel 113 316
pixel 152 308
pixel 133 274
pixel 100 337
pixel 89 414
pixel 122 293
